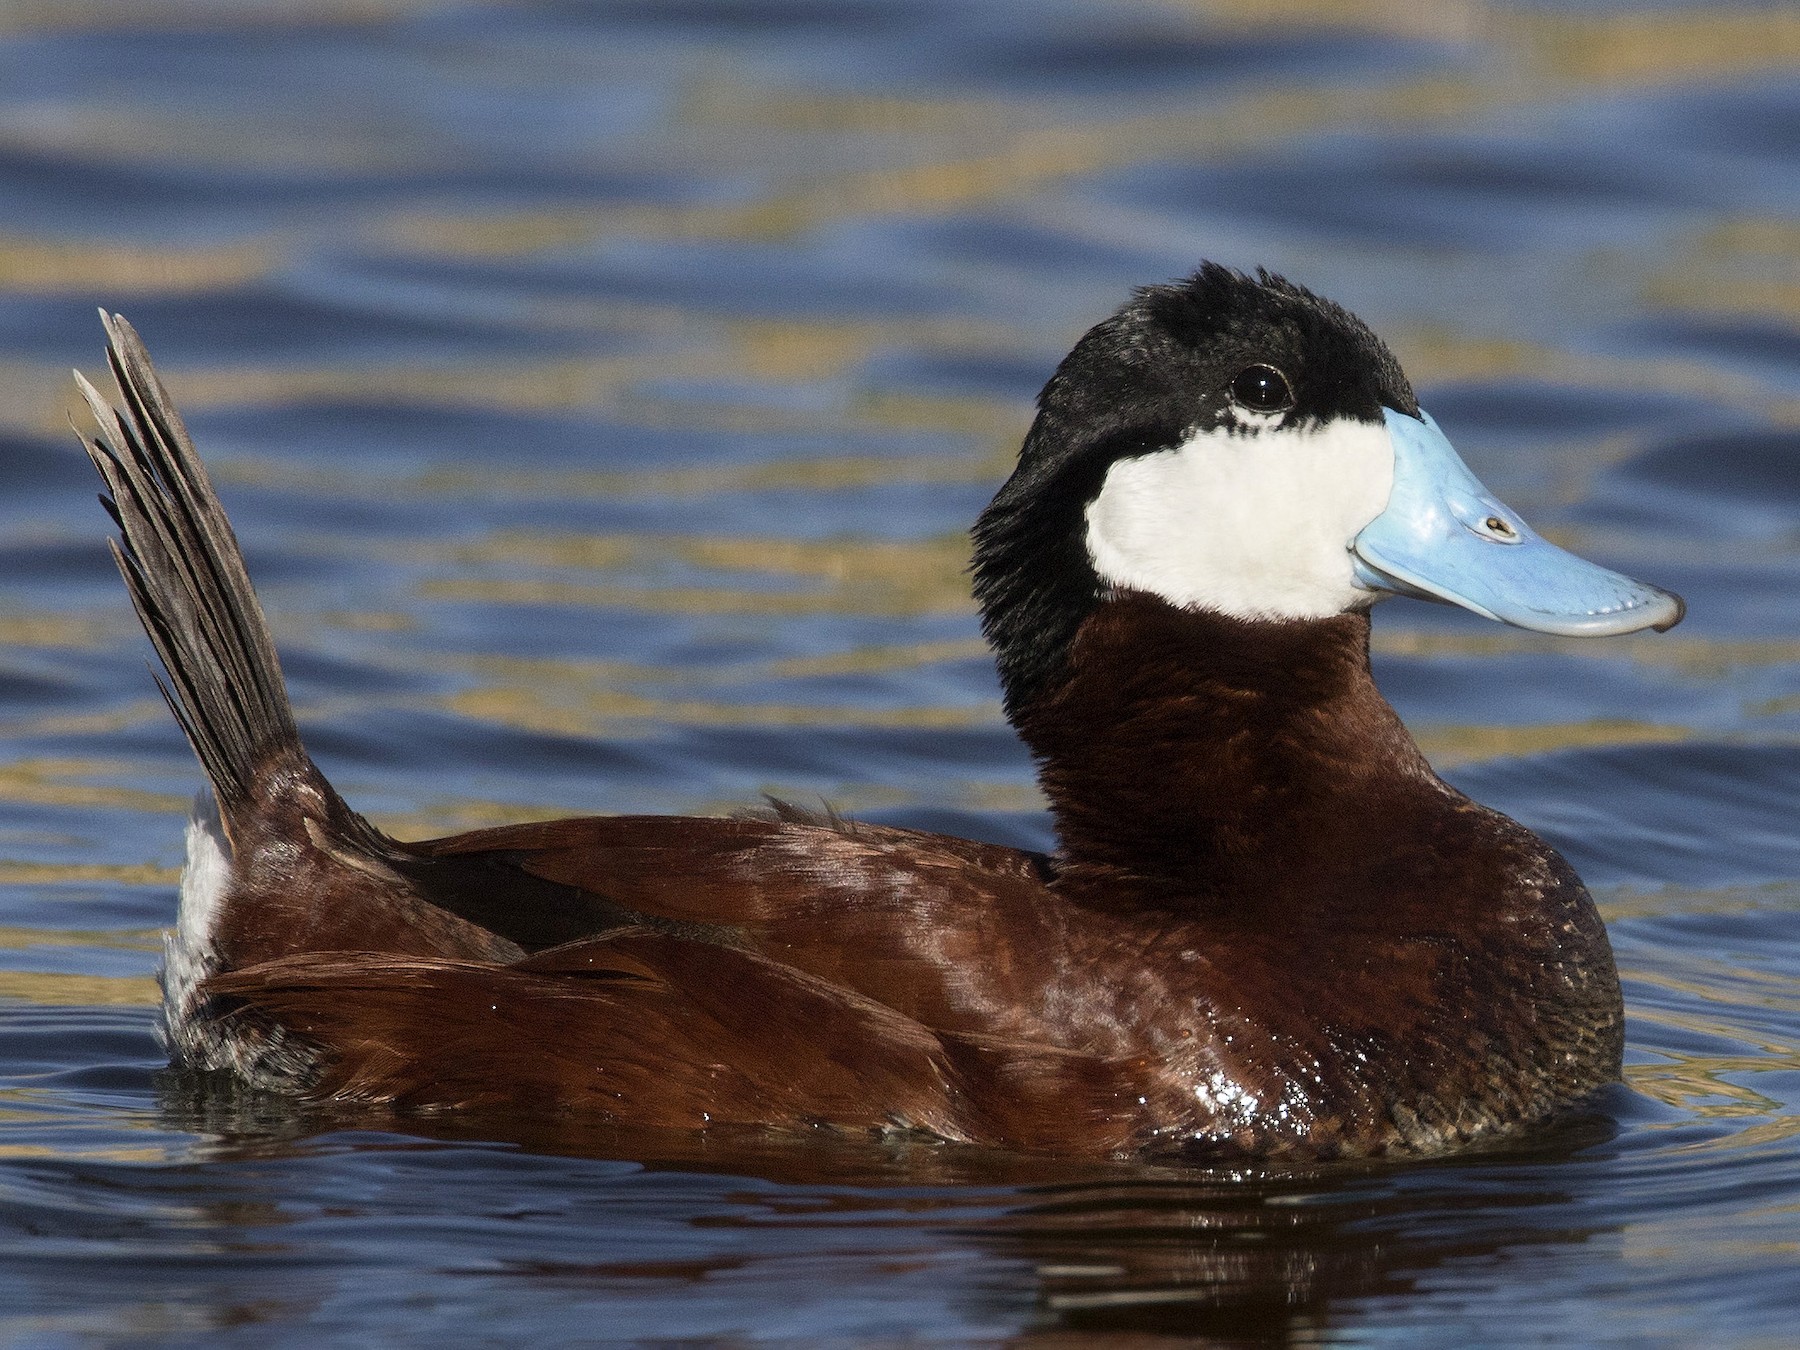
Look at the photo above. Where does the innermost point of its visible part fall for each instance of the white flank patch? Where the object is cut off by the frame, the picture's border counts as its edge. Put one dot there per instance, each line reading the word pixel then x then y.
pixel 1249 522
pixel 188 956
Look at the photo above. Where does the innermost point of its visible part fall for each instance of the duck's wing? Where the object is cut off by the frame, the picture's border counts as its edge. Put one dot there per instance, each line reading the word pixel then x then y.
pixel 948 931
pixel 649 1029
pixel 733 871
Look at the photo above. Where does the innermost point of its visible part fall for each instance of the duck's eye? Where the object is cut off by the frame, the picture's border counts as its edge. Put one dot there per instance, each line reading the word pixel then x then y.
pixel 1262 389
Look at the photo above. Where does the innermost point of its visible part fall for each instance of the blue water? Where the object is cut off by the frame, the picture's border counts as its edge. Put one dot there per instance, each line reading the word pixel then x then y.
pixel 602 392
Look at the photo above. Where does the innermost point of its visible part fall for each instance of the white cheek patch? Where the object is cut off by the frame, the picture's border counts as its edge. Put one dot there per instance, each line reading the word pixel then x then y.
pixel 1255 524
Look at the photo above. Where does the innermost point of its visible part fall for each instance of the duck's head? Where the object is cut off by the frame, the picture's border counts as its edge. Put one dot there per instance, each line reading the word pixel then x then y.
pixel 1238 444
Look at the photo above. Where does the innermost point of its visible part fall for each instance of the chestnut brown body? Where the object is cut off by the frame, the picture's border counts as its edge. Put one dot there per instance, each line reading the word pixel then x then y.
pixel 1152 986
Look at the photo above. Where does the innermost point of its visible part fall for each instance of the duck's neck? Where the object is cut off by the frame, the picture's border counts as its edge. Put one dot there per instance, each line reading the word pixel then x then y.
pixel 1194 754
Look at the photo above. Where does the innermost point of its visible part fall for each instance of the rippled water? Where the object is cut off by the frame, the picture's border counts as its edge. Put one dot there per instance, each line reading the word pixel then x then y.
pixel 602 391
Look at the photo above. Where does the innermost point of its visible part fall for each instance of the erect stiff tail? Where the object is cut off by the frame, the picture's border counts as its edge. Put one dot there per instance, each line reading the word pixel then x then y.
pixel 186 575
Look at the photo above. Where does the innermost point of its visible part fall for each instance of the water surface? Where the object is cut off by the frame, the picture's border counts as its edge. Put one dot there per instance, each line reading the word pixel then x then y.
pixel 603 391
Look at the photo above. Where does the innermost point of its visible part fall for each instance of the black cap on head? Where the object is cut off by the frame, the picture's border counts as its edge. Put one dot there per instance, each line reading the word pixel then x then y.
pixel 1212 351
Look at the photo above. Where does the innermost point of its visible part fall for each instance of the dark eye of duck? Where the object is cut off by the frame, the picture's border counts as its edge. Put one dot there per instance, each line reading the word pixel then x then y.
pixel 1262 389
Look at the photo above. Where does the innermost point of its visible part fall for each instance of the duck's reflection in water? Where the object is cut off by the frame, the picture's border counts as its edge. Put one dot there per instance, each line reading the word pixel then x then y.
pixel 1128 1253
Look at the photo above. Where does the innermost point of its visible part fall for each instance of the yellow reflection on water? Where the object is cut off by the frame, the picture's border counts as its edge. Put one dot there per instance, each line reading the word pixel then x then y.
pixel 50 782
pixel 1450 744
pixel 22 939
pixel 66 990
pixel 105 1153
pixel 1654 45
pixel 689 599
pixel 1698 1083
pixel 27 16
pixel 846 575
pixel 1721 989
pixel 1727 985
pixel 117 269
pixel 1440 21
pixel 38 629
pixel 869 660
pixel 18 873
pixel 600 712
pixel 823 474
pixel 1433 354
pixel 1782 1127
pixel 126 715
pixel 1697 657
pixel 552 672
pixel 1741 266
pixel 842 560
pixel 1625 46
pixel 1619 905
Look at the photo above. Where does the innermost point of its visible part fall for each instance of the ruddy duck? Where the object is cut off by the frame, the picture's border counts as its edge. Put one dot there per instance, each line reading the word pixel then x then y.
pixel 1269 928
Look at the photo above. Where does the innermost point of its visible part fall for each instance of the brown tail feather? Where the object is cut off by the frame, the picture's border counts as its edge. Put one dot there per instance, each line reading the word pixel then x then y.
pixel 183 567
